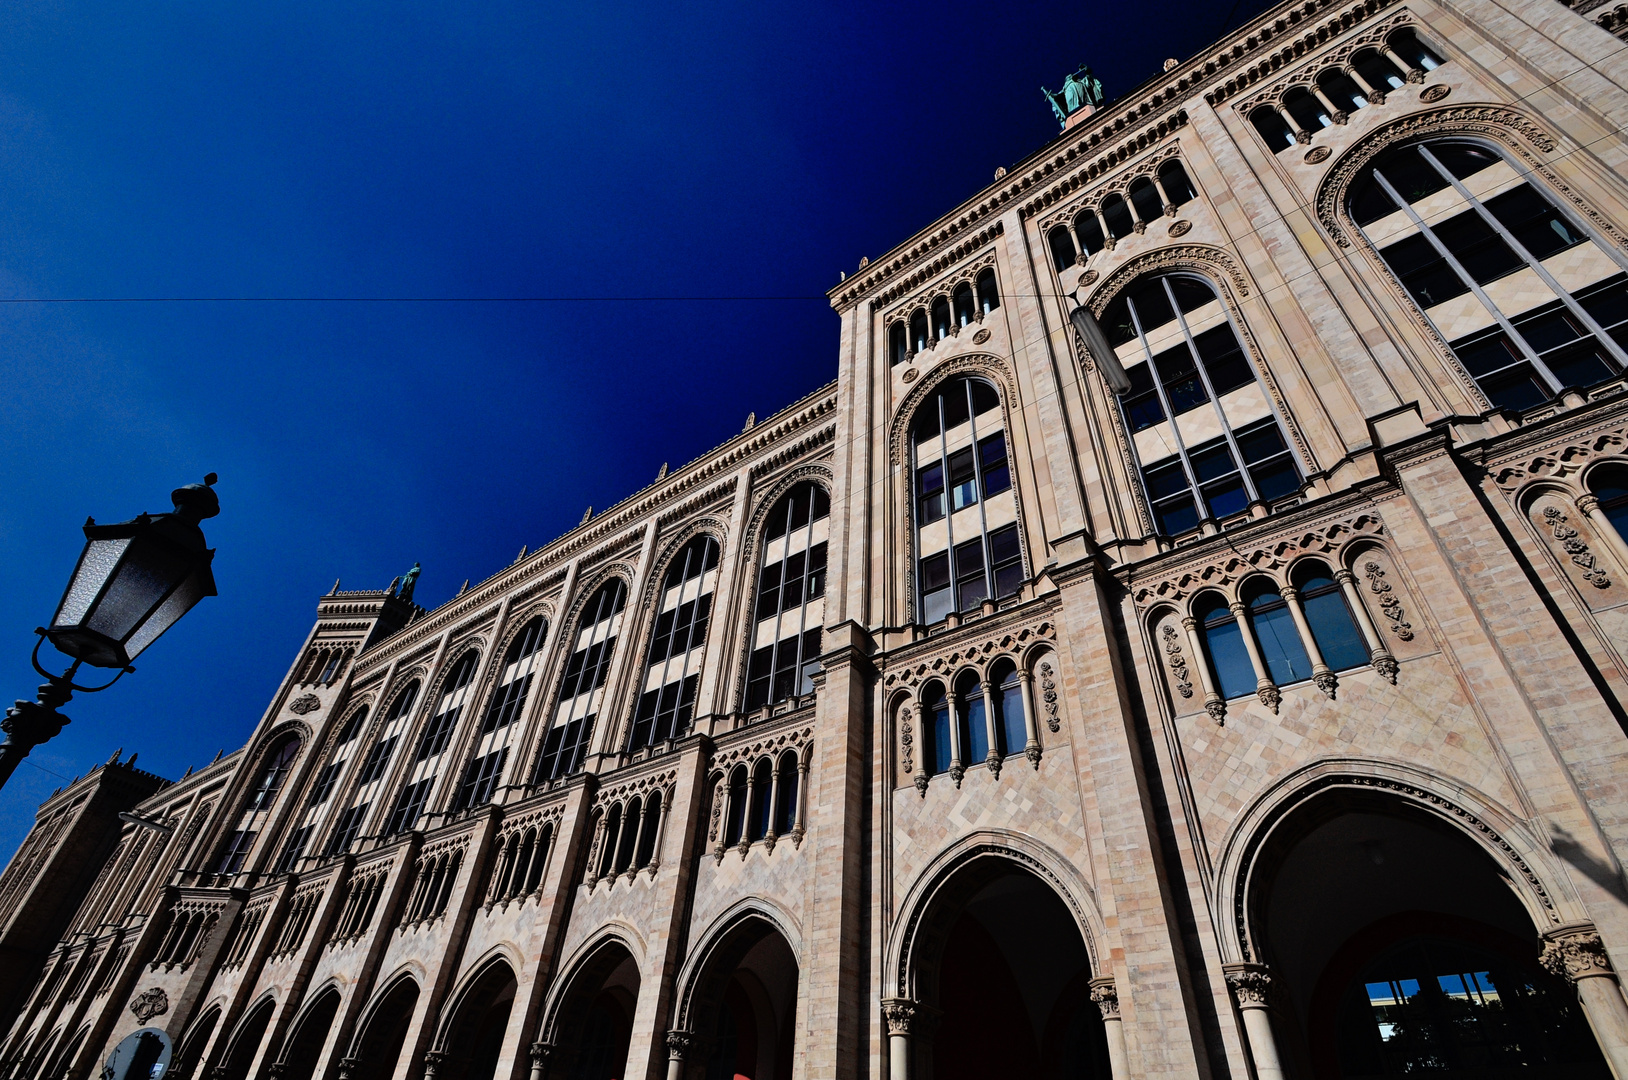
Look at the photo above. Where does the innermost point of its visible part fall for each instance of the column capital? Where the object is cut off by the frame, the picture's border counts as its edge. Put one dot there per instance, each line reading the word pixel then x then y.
pixel 1588 503
pixel 348 1067
pixel 1106 996
pixel 1576 952
pixel 679 1043
pixel 540 1051
pixel 1342 575
pixel 432 1061
pixel 899 1013
pixel 1251 984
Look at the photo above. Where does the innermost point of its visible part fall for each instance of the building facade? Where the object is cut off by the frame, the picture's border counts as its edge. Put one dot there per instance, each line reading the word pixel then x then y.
pixel 969 718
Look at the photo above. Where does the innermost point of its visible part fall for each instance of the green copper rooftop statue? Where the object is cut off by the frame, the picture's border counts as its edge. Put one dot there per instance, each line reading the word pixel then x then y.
pixel 1079 90
pixel 405 583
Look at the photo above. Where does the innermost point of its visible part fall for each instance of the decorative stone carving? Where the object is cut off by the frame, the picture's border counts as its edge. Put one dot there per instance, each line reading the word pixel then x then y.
pixel 433 1060
pixel 1032 752
pixel 907 739
pixel 1087 278
pixel 1048 697
pixel 899 1013
pixel 1317 155
pixel 1217 710
pixel 921 784
pixel 1389 605
pixel 1575 952
pixel 1270 696
pixel 981 336
pixel 348 1067
pixel 307 703
pixel 1181 228
pixel 994 763
pixel 149 1003
pixel 1572 544
pixel 1178 662
pixel 957 771
pixel 1105 996
pixel 911 374
pixel 1168 258
pixel 1433 94
pixel 1250 983
pixel 1326 682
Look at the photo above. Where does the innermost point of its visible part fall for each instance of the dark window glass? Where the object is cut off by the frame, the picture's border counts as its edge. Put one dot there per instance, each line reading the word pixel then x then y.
pixel 768 590
pixel 1224 646
pixel 1224 360
pixel 1176 184
pixel 1118 217
pixel 698 556
pixel 1153 308
pixel 786 812
pixel 1538 226
pixel 1145 200
pixel 1191 294
pixel 898 350
pixel 1279 640
pixel 506 704
pixel 758 672
pixel 992 462
pixel 1332 627
pixel 1423 272
pixel 971 586
pixel 562 749
pixel 237 850
pixel 437 734
pixel 936 717
pixel 353 726
pixel 1608 304
pixel 1089 230
pixel 1369 202
pixel 1481 251
pixel 378 759
pixel 1116 322
pixel 957 409
pixel 1267 456
pixel 294 850
pixel 1378 71
pixel 480 780
pixel 1411 175
pixel 935 591
pixel 272 773
pixel 1307 111
pixel 1179 374
pixel 918 330
pixel 1272 127
pixel 324 786
pixel 1172 497
pixel 409 804
pixel 345 830
pixel 966 309
pixel 1567 346
pixel 1010 723
pixel 1218 479
pixel 1006 561
pixel 736 823
pixel 941 318
pixel 969 708
pixel 1142 407
pixel 963 479
pixel 1501 371
pixel 1062 247
pixel 1611 487
pixel 989 296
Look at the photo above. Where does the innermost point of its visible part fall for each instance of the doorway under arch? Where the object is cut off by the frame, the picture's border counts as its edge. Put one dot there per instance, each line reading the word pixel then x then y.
pixel 190 1056
pixel 744 1005
pixel 473 1041
pixel 378 1047
pixel 1400 948
pixel 246 1043
pixel 999 1005
pixel 310 1034
pixel 593 1024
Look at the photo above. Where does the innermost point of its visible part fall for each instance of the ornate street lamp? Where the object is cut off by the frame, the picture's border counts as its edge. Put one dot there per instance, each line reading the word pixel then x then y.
pixel 134 580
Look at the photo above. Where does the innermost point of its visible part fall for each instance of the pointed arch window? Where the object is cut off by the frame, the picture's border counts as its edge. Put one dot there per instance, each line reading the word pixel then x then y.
pixel 965 509
pixel 673 667
pixel 433 743
pixel 789 608
pixel 1328 615
pixel 939 750
pixel 1011 719
pixel 374 770
pixel 500 723
pixel 1282 651
pixel 274 768
pixel 1529 302
pixel 1224 646
pixel 582 688
pixel 971 718
pixel 1204 430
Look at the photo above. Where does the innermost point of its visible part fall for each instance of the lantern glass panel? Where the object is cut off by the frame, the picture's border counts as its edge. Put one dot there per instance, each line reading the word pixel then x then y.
pixel 97 563
pixel 150 569
pixel 193 589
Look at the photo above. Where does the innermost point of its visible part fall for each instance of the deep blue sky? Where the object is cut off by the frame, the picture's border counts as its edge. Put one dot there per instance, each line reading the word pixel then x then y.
pixel 387 150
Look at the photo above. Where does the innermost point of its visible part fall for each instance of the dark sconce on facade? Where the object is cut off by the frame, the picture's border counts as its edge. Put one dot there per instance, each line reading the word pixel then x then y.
pixel 1096 342
pixel 134 580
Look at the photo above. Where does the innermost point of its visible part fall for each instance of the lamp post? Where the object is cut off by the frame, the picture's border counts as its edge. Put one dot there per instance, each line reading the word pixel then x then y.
pixel 134 580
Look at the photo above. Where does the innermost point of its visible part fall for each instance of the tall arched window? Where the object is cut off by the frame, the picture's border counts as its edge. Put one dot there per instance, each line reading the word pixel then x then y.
pixel 897 346
pixel 316 803
pixel 1145 200
pixel 1329 617
pixel 785 812
pixel 1117 216
pixel 1275 632
pixel 1062 247
pixel 499 726
pixel 965 509
pixel 939 750
pixel 790 608
pixel 989 296
pixel 1088 227
pixel 1204 430
pixel 433 743
pixel 1224 646
pixel 1529 303
pixel 972 719
pixel 941 318
pixel 966 308
pixel 1177 187
pixel 582 688
pixel 736 822
pixel 1011 724
pixel 374 771
pixel 1272 127
pixel 673 668
pixel 918 330
pixel 274 768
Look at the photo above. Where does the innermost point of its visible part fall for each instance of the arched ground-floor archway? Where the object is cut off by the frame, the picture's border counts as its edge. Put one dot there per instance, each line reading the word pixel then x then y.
pixel 473 1039
pixel 377 1048
pixel 741 1004
pixel 185 1064
pixel 1391 944
pixel 592 1024
pixel 1002 982
pixel 245 1043
pixel 304 1046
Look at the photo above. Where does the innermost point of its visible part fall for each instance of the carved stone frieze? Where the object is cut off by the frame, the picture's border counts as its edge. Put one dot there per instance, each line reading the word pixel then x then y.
pixel 1389 604
pixel 1048 696
pixel 979 651
pixel 1576 952
pixel 305 703
pixel 149 1003
pixel 1170 258
pixel 1570 541
pixel 1251 984
pixel 1105 996
pixel 965 274
pixel 1304 76
pixel 907 740
pixel 1178 662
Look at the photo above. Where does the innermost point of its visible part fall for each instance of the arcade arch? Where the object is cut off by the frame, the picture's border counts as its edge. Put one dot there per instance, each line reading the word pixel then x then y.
pixel 737 1017
pixel 590 1025
pixel 304 1046
pixel 377 1047
pixel 472 1040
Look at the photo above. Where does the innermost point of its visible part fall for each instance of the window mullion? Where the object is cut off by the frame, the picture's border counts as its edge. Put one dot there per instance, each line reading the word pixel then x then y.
pixel 1464 275
pixel 978 490
pixel 1542 271
pixel 1209 389
pixel 1170 417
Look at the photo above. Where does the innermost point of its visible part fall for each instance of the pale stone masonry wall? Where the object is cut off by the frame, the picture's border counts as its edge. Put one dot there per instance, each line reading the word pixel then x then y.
pixel 1484 575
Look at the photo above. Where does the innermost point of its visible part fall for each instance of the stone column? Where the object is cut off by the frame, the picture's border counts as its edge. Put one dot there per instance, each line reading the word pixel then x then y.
pixel 1321 673
pixel 1576 953
pixel 539 1054
pixel 1031 749
pixel 899 1013
pixel 1378 655
pixel 923 770
pixel 1375 94
pixel 1164 197
pixel 774 802
pixel 1214 703
pixel 1414 74
pixel 1301 135
pixel 746 811
pixel 1336 114
pixel 1106 996
pixel 1589 506
pixel 1251 984
pixel 432 1062
pixel 993 758
pixel 678 1046
pixel 1265 688
pixel 958 767
pixel 797 829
